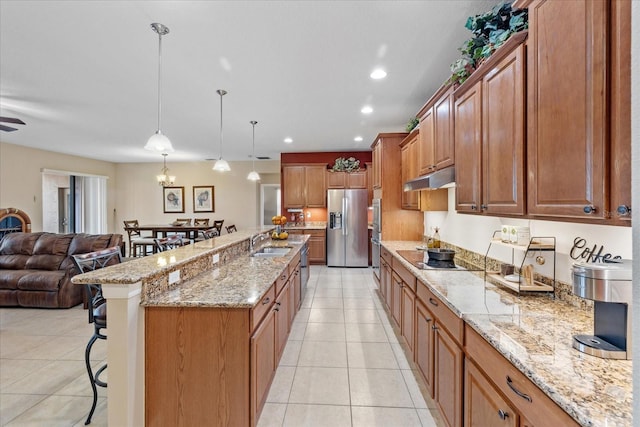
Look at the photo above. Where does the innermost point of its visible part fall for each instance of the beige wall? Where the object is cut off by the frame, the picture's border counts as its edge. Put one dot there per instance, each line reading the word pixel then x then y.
pixel 236 198
pixel 21 178
pixel 133 192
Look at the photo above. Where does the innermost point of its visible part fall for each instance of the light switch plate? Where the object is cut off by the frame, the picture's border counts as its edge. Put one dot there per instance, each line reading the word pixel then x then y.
pixel 174 276
pixel 216 258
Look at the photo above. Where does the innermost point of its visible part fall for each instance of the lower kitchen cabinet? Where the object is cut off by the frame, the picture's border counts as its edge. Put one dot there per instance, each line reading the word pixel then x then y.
pixel 483 405
pixel 448 362
pixel 423 349
pixel 282 307
pixel 408 314
pixel 263 363
pixel 317 244
pixel 396 298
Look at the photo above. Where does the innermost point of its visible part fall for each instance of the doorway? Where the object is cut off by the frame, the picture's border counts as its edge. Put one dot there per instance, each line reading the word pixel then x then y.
pixel 269 202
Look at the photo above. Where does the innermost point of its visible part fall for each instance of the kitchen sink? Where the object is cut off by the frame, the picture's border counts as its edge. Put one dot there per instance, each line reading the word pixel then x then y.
pixel 270 251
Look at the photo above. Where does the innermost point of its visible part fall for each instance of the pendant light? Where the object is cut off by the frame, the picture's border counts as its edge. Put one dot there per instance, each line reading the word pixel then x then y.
pixel 158 141
pixel 253 175
pixel 221 165
pixel 164 179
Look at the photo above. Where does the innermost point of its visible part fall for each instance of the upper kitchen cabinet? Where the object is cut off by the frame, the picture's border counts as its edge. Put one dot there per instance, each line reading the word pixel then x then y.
pixel 568 157
pixel 304 186
pixel 621 111
pixel 349 180
pixel 436 145
pixel 409 164
pixel 490 134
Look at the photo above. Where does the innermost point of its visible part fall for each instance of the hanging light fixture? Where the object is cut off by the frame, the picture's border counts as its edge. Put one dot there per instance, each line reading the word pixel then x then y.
pixel 253 175
pixel 158 141
pixel 164 179
pixel 221 165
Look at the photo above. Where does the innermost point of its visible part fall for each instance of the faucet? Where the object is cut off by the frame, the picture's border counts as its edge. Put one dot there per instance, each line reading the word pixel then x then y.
pixel 255 239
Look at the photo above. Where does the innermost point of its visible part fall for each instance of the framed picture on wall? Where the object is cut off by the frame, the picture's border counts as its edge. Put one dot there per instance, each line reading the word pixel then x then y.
pixel 203 200
pixel 173 199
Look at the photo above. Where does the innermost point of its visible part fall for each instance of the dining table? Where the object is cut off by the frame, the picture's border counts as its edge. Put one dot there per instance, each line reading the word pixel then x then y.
pixel 161 230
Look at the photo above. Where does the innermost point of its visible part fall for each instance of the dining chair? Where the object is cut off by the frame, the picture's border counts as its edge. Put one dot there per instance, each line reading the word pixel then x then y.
pixel 217 224
pixel 207 234
pixel 169 242
pixel 97 310
pixel 184 221
pixel 136 239
pixel 231 228
pixel 201 221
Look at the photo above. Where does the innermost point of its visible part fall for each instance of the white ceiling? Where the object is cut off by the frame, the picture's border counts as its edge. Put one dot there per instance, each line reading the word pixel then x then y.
pixel 83 75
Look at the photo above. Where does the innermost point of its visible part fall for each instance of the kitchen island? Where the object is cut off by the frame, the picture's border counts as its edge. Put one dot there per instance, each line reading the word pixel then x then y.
pixel 532 337
pixel 190 330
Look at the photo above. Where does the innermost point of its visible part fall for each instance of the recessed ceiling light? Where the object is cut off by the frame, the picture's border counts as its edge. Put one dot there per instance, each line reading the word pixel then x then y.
pixel 378 74
pixel 366 110
pixel 288 140
pixel 357 139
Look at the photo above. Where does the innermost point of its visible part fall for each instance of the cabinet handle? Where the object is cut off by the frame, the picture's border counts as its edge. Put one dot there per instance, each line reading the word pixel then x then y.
pixel 516 391
pixel 278 304
pixel 503 415
pixel 266 301
pixel 589 209
pixel 426 319
pixel 484 207
pixel 433 302
pixel 624 210
pixel 474 207
pixel 276 309
pixel 434 327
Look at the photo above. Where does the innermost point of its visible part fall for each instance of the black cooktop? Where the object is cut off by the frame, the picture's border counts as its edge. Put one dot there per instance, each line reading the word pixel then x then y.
pixel 421 260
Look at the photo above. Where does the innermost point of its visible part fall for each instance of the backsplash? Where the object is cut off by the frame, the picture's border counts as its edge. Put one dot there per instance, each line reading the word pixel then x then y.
pixel 563 291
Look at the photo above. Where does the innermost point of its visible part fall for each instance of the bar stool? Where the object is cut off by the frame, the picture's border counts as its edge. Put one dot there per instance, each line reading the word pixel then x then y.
pixel 169 242
pixel 207 234
pixel 136 240
pixel 217 224
pixel 97 310
pixel 231 228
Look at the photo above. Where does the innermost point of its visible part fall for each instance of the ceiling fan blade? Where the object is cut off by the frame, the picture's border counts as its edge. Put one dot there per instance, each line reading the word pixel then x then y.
pixel 12 120
pixel 7 128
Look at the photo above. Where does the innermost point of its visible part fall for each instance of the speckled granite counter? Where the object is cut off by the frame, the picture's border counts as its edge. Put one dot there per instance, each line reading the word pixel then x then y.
pixel 309 225
pixel 535 334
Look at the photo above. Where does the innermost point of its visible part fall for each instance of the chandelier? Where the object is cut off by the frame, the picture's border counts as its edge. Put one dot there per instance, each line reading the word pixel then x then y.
pixel 253 175
pixel 221 164
pixel 158 141
pixel 164 179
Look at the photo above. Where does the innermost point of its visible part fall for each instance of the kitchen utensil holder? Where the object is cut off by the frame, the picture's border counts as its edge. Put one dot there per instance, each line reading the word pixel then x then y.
pixel 538 244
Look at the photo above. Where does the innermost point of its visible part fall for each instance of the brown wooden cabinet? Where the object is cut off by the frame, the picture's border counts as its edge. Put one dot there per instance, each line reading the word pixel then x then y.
pixel 436 145
pixel 317 244
pixel 409 165
pixel 396 299
pixel 489 135
pixel 483 405
pixel 263 363
pixel 376 157
pixel 423 350
pixel 304 186
pixel 567 112
pixel 348 180
pixel 369 166
pixel 448 362
pixel 408 316
pixel 282 307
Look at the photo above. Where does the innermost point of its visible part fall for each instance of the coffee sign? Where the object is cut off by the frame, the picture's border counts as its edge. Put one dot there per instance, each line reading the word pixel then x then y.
pixel 580 251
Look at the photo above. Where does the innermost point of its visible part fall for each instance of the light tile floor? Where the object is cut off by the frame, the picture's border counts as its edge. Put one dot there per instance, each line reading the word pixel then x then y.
pixel 342 364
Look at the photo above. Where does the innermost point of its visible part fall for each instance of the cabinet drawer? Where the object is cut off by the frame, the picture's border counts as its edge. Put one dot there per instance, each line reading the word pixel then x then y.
pixel 407 277
pixel 525 396
pixel 447 318
pixel 257 312
pixel 294 263
pixel 385 254
pixel 282 280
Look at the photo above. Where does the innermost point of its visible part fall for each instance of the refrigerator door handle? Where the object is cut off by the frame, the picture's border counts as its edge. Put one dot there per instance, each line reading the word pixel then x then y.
pixel 345 216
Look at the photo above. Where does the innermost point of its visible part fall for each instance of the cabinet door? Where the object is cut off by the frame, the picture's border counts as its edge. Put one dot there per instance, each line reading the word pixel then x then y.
pixel 426 149
pixel 567 82
pixel 424 345
pixel 377 164
pixel 448 377
pixel 317 249
pixel 408 315
pixel 357 180
pixel 369 183
pixel 296 284
pixel 468 141
pixel 293 180
pixel 281 308
pixel 336 179
pixel 483 405
pixel 409 198
pixel 385 281
pixel 503 128
pixel 443 144
pixel 316 188
pixel 396 299
pixel 621 111
pixel 263 363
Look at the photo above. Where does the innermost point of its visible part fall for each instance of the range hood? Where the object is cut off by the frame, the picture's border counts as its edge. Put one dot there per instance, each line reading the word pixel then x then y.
pixel 432 181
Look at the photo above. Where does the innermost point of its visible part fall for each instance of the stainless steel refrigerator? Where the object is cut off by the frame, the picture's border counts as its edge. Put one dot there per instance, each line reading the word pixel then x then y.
pixel 347 235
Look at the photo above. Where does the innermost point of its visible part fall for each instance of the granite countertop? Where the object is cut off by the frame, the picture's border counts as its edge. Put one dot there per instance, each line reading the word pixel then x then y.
pixel 308 225
pixel 535 333
pixel 240 283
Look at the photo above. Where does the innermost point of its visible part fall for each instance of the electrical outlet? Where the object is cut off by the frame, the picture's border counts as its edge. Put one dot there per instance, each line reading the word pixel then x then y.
pixel 308 214
pixel 216 258
pixel 174 276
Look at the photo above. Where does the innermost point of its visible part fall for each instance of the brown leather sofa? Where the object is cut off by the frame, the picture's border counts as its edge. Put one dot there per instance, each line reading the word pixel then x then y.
pixel 36 268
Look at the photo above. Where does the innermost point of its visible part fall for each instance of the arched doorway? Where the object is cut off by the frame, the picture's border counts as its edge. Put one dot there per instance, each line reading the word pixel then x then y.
pixel 14 220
